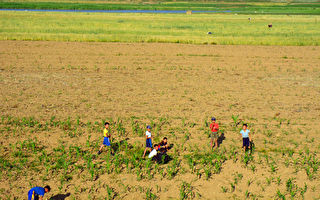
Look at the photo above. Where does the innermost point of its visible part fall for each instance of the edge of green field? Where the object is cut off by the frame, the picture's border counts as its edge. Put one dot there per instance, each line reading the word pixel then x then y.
pixel 235 7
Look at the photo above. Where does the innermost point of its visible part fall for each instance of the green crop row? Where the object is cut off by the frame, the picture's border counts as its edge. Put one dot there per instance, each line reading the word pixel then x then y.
pixel 75 155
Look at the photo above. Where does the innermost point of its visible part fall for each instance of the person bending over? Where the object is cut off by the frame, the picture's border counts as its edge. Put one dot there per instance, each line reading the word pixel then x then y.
pixel 37 193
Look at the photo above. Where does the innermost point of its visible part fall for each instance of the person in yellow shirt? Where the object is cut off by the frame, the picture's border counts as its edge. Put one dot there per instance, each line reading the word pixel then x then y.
pixel 106 139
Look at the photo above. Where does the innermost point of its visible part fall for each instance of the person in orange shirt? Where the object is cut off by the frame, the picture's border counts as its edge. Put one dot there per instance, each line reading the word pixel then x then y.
pixel 214 127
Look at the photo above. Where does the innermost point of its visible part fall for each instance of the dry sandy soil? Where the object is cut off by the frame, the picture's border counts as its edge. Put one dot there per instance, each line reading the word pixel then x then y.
pixel 261 84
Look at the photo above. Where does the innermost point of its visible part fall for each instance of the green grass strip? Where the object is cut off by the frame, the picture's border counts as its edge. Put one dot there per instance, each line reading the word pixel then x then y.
pixel 245 8
pixel 226 29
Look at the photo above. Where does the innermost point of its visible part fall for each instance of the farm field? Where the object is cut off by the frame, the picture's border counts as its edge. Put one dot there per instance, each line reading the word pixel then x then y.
pixel 254 7
pixel 55 97
pixel 226 29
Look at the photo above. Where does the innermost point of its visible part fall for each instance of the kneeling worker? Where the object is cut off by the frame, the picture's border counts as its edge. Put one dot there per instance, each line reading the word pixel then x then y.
pixel 37 193
pixel 154 152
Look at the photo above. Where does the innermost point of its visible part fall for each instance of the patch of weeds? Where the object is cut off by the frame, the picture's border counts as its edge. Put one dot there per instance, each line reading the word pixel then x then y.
pixel 273 167
pixel 150 195
pixel 224 189
pixel 280 195
pixel 236 121
pixel 291 187
pixel 269 180
pixel 278 180
pixel 186 191
pixel 249 182
pixel 247 158
pixel 253 167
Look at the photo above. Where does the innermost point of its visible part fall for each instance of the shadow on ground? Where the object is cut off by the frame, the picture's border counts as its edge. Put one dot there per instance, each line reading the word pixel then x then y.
pixel 60 196
pixel 116 144
pixel 220 139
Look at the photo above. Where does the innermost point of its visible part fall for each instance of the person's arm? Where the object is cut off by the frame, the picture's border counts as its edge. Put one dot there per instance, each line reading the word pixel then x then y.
pixel 40 197
pixel 211 126
pixel 250 138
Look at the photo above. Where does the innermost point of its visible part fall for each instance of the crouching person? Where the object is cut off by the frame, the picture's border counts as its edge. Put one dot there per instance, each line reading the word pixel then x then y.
pixel 37 193
pixel 158 156
pixel 154 153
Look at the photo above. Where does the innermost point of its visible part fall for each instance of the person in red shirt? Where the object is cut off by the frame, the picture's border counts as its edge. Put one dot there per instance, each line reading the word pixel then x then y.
pixel 214 127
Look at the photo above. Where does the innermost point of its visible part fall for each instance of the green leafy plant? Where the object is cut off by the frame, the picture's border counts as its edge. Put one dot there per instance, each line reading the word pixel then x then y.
pixel 280 195
pixel 150 195
pixel 186 191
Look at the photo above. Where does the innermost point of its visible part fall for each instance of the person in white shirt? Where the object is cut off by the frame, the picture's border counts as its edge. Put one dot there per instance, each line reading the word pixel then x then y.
pixel 154 151
pixel 148 140
pixel 246 137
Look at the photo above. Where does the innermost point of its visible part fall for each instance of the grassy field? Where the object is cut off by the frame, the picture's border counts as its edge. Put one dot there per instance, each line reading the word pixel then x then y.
pixel 56 95
pixel 172 28
pixel 240 8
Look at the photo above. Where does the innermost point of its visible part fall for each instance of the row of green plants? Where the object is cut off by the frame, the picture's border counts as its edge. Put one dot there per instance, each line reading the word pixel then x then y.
pixel 308 161
pixel 68 161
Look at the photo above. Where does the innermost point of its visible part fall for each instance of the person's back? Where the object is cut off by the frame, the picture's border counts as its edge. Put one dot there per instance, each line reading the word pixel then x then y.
pixel 154 151
pixel 36 193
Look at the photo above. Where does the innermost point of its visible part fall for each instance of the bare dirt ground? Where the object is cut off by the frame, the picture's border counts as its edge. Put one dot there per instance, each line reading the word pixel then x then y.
pixel 92 81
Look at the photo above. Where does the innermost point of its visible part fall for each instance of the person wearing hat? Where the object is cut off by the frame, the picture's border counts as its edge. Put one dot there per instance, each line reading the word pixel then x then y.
pixel 148 140
pixel 214 127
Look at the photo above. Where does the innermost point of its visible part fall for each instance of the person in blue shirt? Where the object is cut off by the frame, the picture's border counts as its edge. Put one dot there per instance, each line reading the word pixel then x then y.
pixel 246 137
pixel 37 193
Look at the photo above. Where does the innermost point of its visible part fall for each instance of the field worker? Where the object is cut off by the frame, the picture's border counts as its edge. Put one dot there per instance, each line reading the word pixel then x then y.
pixel 37 193
pixel 154 151
pixel 106 139
pixel 214 127
pixel 163 146
pixel 148 140
pixel 246 137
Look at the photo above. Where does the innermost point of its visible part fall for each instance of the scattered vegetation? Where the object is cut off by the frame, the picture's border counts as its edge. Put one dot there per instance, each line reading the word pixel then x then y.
pixel 68 161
